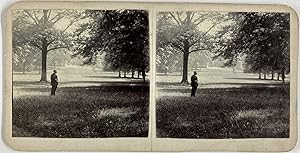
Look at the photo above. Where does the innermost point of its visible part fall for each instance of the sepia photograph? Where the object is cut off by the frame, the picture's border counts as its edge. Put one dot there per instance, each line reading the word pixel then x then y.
pixel 222 75
pixel 80 73
pixel 150 76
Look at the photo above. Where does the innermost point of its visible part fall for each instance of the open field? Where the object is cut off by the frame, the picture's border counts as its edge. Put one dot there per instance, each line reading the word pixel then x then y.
pixel 227 105
pixel 87 104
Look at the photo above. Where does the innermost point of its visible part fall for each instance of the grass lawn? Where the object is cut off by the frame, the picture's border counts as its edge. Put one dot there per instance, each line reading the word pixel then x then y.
pixel 237 109
pixel 110 109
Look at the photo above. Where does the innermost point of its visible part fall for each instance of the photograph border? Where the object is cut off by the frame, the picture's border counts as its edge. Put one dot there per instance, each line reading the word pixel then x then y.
pixel 151 143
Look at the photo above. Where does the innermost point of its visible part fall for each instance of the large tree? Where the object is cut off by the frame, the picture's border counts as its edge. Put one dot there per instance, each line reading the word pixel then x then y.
pixel 44 30
pixel 188 32
pixel 122 35
pixel 264 39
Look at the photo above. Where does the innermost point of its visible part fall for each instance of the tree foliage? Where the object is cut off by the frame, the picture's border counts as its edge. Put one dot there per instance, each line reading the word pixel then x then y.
pixel 167 59
pixel 122 35
pixel 264 39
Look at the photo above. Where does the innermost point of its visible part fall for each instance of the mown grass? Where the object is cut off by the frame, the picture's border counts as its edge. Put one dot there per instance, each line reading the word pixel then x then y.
pixel 81 112
pixel 246 112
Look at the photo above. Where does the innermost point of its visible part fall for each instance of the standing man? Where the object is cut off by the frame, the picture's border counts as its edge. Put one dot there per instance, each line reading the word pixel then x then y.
pixel 194 83
pixel 54 82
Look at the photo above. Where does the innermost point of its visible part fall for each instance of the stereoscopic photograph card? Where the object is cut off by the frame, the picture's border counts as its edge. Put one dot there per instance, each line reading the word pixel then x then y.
pixel 125 76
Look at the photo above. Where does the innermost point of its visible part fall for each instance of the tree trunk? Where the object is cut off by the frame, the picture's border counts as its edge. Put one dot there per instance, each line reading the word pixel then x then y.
pixel 24 67
pixel 124 74
pixel 44 67
pixel 272 78
pixel 139 74
pixel 186 49
pixel 282 75
pixel 185 66
pixel 44 49
pixel 278 76
pixel 166 70
pixel 265 76
pixel 259 74
pixel 144 75
pixel 132 73
pixel 44 61
pixel 119 73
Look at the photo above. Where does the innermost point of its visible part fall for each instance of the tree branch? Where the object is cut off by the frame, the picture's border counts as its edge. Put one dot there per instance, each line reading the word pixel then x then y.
pixel 49 14
pixel 192 15
pixel 178 17
pixel 50 42
pixel 195 50
pixel 35 16
pixel 57 15
pixel 36 22
pixel 214 25
pixel 36 45
pixel 71 22
pixel 177 21
pixel 177 46
pixel 200 19
pixel 56 48
pixel 59 18
pixel 193 43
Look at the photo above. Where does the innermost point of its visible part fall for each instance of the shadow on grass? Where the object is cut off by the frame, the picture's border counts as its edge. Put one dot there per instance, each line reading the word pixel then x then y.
pixel 168 74
pixel 21 73
pixel 249 112
pixel 103 83
pixel 165 84
pixel 107 77
pixel 29 83
pixel 251 79
pixel 81 112
pixel 86 89
pixel 113 77
pixel 112 83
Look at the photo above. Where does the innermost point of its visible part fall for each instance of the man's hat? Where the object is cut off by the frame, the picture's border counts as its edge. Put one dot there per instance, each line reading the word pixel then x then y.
pixel 54 71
